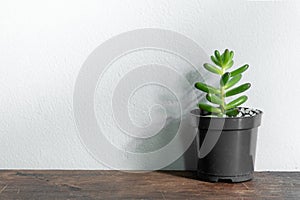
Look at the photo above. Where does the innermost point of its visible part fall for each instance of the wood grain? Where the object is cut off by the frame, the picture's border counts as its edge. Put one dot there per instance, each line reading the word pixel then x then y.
pixel 60 184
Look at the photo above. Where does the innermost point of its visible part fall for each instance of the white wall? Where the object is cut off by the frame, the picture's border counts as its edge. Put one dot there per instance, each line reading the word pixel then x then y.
pixel 43 45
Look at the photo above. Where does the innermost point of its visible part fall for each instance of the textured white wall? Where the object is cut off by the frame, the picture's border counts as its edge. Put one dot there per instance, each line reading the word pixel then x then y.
pixel 44 43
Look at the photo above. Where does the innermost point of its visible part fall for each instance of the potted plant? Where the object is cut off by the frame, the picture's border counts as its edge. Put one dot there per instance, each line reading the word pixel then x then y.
pixel 227 132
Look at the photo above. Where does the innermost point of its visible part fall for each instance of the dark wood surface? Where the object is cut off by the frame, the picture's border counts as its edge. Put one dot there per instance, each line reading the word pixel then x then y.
pixel 15 184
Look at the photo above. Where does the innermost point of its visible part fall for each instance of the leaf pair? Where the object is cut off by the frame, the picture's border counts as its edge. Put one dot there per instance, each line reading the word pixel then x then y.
pixel 212 90
pixel 230 107
pixel 234 77
pixel 217 100
pixel 229 79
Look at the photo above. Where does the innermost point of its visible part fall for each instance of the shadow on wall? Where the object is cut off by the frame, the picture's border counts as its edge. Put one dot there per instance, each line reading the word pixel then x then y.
pixel 175 119
pixel 188 161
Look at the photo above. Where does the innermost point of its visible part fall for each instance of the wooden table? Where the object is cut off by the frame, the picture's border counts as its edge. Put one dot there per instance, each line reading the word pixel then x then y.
pixel 15 184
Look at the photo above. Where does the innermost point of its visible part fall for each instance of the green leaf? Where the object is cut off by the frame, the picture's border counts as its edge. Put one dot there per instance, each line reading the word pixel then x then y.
pixel 236 102
pixel 212 68
pixel 226 56
pixel 232 112
pixel 229 65
pixel 231 54
pixel 214 99
pixel 218 56
pixel 239 70
pixel 206 88
pixel 224 79
pixel 234 80
pixel 222 58
pixel 215 61
pixel 209 108
pixel 238 89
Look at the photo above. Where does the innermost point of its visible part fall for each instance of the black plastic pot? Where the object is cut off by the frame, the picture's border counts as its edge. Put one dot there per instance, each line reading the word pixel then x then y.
pixel 227 147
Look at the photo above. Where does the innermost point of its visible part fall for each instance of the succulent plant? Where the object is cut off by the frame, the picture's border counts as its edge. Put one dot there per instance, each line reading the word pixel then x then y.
pixel 228 80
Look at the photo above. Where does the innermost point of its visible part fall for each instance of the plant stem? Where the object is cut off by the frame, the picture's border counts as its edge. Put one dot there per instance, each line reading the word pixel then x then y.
pixel 223 100
pixel 222 95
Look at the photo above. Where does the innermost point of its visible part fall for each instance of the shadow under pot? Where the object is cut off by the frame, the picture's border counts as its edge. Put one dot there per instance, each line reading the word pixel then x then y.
pixel 226 147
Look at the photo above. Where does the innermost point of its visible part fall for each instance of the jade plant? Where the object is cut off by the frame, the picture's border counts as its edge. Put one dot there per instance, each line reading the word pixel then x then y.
pixel 222 63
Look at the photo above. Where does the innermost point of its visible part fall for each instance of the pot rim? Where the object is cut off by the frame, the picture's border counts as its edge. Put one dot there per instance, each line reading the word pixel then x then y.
pixel 225 123
pixel 216 117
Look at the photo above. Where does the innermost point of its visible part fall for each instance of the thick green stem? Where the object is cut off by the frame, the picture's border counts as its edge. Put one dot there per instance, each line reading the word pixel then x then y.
pixel 222 95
